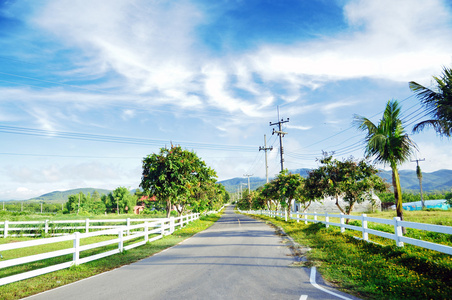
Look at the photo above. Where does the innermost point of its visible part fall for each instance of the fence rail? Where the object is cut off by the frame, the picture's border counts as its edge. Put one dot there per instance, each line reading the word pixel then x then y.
pixel 396 223
pixel 156 228
pixel 60 227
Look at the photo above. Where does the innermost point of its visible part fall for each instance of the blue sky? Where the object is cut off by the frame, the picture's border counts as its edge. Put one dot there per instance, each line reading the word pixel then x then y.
pixel 88 88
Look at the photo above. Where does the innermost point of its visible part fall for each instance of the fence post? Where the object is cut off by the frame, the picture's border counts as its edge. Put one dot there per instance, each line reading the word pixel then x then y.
pixel 364 224
pixel 171 225
pixel 315 217
pixel 327 220
pixel 121 240
pixel 162 227
pixel 298 214
pixel 87 225
pixel 285 214
pixel 5 229
pixel 146 234
pixel 46 227
pixel 342 221
pixel 305 218
pixel 76 246
pixel 398 232
pixel 128 225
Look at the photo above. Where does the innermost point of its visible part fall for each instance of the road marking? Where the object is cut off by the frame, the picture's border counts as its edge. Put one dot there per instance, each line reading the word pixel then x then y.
pixel 313 270
pixel 303 297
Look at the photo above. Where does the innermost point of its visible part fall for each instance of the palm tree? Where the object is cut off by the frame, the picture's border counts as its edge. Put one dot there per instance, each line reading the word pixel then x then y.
pixel 388 143
pixel 437 102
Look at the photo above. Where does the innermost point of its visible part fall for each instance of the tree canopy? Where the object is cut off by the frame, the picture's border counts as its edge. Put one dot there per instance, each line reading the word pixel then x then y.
pixel 388 143
pixel 437 102
pixel 173 175
pixel 353 180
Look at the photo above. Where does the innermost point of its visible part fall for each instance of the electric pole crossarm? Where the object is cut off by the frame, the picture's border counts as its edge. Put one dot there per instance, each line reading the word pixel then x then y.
pixel 281 135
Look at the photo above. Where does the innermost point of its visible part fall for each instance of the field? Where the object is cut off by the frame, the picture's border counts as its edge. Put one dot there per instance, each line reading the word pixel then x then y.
pixel 377 270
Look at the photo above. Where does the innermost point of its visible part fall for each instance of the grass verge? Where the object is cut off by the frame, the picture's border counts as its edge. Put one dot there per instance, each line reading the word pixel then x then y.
pixel 372 271
pixel 52 280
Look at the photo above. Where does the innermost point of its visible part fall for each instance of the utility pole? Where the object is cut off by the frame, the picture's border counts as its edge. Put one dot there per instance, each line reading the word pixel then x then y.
pixel 281 135
pixel 266 149
pixel 419 176
pixel 247 175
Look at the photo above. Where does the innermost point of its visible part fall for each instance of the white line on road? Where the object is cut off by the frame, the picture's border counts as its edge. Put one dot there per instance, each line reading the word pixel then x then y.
pixel 303 297
pixel 313 271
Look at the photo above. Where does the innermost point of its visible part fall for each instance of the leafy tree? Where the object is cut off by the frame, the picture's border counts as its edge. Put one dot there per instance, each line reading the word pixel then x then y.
pixel 448 197
pixel 259 201
pixel 172 174
pixel 388 143
pixel 281 190
pixel 352 180
pixel 270 194
pixel 437 103
pixel 75 202
pixel 314 186
pixel 289 187
pixel 120 201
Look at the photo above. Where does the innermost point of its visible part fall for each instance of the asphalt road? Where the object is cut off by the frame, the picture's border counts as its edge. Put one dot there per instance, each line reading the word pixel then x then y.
pixel 236 258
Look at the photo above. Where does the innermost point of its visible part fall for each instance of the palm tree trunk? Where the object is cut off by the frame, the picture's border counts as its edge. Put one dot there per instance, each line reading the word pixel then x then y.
pixel 397 193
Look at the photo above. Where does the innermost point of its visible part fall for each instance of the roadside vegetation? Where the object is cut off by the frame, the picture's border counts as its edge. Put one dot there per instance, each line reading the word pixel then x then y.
pixel 52 280
pixel 371 270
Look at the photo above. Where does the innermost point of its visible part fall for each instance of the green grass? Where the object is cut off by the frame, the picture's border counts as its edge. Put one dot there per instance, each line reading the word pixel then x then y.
pixel 45 282
pixel 438 217
pixel 372 271
pixel 443 217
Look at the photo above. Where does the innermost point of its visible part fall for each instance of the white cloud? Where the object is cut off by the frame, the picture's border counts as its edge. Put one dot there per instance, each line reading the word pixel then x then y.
pixel 298 127
pixel 166 61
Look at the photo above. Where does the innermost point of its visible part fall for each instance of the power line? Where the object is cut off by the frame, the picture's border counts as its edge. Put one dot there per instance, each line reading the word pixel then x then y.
pixel 121 140
pixel 67 156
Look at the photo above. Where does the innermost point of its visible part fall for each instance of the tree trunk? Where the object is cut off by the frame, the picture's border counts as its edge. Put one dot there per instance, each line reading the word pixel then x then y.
pixel 168 208
pixel 337 204
pixel 349 211
pixel 289 207
pixel 397 193
pixel 306 207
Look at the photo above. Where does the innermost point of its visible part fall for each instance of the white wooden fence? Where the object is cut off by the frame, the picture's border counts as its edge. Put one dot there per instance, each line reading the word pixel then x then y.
pixel 396 223
pixel 156 227
pixel 60 227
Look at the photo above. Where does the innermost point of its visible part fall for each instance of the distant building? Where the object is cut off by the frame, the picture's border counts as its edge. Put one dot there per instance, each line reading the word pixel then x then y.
pixel 439 204
pixel 141 204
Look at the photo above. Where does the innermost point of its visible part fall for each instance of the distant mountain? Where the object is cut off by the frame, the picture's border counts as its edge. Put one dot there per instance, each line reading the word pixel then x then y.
pixel 62 196
pixel 435 181
pixel 231 185
pixel 440 180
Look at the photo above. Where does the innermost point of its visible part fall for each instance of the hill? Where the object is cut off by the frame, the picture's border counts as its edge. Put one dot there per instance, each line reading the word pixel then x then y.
pixel 440 180
pixel 61 196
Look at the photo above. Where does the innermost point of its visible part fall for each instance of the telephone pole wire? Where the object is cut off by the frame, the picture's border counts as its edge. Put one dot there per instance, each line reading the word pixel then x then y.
pixel 266 149
pixel 419 176
pixel 281 135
